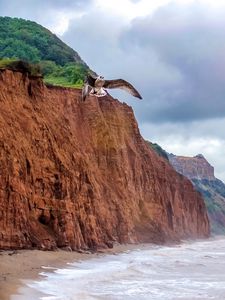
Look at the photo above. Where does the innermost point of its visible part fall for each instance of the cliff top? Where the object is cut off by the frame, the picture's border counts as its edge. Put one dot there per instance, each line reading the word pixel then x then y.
pixel 196 167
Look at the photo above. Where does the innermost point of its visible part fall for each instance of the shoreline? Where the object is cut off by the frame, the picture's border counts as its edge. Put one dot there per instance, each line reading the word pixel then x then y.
pixel 20 266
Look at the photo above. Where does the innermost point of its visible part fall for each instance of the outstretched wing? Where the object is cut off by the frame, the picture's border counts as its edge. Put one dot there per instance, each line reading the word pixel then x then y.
pixel 122 84
pixel 90 79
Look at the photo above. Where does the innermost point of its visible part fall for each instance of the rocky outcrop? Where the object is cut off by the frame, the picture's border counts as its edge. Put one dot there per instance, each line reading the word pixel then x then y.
pixel 196 167
pixel 201 173
pixel 78 174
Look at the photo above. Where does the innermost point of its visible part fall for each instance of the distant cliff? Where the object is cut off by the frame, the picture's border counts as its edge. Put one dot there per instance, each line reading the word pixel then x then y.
pixel 201 173
pixel 78 174
pixel 196 167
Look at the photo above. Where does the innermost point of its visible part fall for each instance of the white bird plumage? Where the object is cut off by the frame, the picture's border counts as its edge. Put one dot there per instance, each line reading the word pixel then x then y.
pixel 96 85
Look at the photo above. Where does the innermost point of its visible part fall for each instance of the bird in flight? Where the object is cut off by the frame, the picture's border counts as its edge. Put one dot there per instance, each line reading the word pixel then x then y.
pixel 97 85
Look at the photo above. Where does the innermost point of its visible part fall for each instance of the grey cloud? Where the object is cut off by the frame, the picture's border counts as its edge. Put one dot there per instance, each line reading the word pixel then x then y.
pixel 191 39
pixel 42 11
pixel 29 6
pixel 95 37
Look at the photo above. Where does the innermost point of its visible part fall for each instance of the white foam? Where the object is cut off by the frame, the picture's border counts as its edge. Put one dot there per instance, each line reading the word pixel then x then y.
pixel 186 272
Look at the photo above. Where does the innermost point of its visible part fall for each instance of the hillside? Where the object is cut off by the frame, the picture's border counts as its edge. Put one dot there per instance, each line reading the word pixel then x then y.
pixel 78 174
pixel 29 41
pixel 201 173
pixel 159 150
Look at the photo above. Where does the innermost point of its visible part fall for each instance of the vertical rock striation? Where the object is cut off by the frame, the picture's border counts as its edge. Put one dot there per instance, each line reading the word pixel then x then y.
pixel 201 173
pixel 79 174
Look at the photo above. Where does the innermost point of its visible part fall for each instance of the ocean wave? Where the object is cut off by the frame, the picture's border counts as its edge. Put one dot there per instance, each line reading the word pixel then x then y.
pixel 192 271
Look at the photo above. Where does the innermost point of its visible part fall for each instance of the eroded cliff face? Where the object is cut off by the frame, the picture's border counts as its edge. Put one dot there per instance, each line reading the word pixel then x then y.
pixel 201 173
pixel 79 174
pixel 196 167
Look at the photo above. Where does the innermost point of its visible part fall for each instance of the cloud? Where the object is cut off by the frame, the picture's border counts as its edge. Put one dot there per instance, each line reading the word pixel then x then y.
pixel 189 40
pixel 135 1
pixel 52 14
pixel 9 6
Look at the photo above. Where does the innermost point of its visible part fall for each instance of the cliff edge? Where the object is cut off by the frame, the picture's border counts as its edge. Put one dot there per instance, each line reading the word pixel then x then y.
pixel 78 174
pixel 196 167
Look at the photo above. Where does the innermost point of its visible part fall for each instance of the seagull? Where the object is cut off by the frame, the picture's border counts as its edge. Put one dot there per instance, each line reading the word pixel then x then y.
pixel 96 86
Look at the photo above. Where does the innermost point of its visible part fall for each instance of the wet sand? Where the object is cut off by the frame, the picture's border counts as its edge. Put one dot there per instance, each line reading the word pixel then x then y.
pixel 21 265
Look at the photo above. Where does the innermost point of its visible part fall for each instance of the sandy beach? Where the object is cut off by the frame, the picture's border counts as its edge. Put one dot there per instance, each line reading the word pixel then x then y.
pixel 19 265
pixel 26 264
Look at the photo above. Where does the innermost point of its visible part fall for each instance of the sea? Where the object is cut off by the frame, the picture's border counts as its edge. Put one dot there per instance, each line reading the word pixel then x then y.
pixel 188 271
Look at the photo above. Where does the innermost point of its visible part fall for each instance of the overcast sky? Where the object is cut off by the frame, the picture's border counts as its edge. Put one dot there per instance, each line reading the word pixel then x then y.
pixel 172 51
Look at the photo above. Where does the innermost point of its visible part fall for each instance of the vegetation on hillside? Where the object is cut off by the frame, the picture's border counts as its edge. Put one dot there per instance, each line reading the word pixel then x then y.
pixel 213 192
pixel 71 74
pixel 28 41
pixel 158 149
pixel 21 66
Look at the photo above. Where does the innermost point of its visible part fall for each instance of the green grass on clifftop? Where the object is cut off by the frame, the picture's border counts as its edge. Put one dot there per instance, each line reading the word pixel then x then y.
pixel 21 66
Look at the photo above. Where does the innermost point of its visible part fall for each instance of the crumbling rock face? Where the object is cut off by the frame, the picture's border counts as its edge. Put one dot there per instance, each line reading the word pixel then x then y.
pixel 78 174
pixel 196 167
pixel 201 173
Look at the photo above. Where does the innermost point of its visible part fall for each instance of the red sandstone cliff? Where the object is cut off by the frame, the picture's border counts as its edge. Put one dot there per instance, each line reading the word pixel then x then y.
pixel 79 174
pixel 196 167
pixel 201 173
